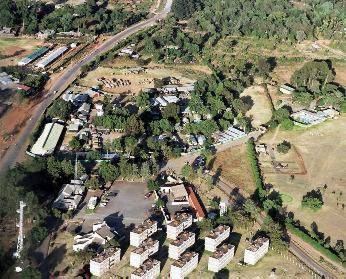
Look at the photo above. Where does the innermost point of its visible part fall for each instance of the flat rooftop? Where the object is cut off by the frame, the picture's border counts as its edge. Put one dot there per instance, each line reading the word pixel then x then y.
pixel 222 250
pixel 184 236
pixel 105 254
pixel 144 226
pixel 256 244
pixel 215 233
pixel 179 218
pixel 184 259
pixel 146 245
pixel 146 266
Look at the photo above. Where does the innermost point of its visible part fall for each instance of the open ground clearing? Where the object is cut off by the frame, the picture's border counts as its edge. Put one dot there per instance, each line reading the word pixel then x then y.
pixel 13 49
pixel 235 167
pixel 260 113
pixel 322 149
pixel 134 82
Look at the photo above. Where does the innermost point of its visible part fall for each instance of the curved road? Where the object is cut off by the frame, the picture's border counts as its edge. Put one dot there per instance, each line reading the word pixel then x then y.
pixel 16 150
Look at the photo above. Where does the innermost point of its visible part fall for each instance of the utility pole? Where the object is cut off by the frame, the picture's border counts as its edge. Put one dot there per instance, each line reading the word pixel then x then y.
pixel 20 233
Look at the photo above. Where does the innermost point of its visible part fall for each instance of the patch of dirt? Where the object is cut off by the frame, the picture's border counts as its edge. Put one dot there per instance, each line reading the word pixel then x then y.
pixel 235 167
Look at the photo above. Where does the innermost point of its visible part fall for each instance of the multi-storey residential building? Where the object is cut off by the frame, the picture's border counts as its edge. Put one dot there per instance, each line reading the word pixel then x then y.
pixel 150 269
pixel 104 261
pixel 178 225
pixel 216 237
pixel 257 249
pixel 178 246
pixel 221 257
pixel 142 232
pixel 184 265
pixel 142 252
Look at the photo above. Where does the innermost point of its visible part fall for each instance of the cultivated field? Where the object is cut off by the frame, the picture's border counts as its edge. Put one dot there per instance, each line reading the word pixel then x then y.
pixel 321 150
pixel 235 167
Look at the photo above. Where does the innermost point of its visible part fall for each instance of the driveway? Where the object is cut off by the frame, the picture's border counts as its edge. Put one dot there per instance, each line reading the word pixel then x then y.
pixel 127 208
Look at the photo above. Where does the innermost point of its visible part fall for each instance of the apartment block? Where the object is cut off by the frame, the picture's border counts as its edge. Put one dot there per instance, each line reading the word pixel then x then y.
pixel 221 257
pixel 257 249
pixel 178 246
pixel 104 261
pixel 184 265
pixel 142 252
pixel 216 237
pixel 142 232
pixel 178 225
pixel 150 269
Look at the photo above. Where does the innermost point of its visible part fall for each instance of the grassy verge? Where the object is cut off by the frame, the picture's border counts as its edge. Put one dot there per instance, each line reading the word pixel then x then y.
pixel 308 239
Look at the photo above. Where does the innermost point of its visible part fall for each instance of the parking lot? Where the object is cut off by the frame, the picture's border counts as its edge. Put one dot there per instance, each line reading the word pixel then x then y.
pixel 126 207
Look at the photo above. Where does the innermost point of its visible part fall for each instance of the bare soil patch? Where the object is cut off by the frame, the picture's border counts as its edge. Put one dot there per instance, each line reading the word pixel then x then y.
pixel 235 167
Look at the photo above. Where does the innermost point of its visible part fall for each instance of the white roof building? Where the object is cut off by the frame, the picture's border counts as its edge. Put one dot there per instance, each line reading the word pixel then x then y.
pixel 178 225
pixel 286 89
pixel 48 140
pixel 184 265
pixel 150 269
pixel 142 232
pixel 69 196
pixel 165 100
pixel 221 257
pixel 179 246
pixel 216 237
pixel 306 117
pixel 104 261
pixel 51 56
pixel 143 252
pixel 92 203
pixel 256 250
pixel 230 134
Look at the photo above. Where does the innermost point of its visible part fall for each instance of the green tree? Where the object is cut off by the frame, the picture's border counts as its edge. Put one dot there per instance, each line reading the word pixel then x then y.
pixel 134 125
pixel 187 171
pixel 38 233
pixel 108 171
pixel 67 167
pixel 75 144
pixel 251 208
pixel 160 203
pixel 93 155
pixel 31 273
pixel 287 124
pixel 171 111
pixel 275 232
pixel 60 109
pixel 143 99
pixel 153 185
pixel 92 183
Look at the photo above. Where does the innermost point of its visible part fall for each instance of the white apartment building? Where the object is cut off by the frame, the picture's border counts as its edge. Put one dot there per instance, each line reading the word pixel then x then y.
pixel 104 261
pixel 184 265
pixel 221 257
pixel 256 250
pixel 150 269
pixel 142 252
pixel 216 237
pixel 178 225
pixel 179 246
pixel 142 232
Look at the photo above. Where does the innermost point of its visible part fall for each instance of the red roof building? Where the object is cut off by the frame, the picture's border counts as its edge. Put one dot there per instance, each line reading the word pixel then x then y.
pixel 23 87
pixel 195 204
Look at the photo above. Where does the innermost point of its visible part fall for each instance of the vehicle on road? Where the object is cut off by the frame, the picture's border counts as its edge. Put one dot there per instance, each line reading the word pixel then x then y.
pixel 200 162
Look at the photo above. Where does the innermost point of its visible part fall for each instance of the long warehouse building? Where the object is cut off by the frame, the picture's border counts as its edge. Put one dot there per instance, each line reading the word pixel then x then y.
pixel 51 56
pixel 33 56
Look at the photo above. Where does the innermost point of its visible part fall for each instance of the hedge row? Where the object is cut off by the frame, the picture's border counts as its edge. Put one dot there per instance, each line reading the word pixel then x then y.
pixel 314 243
pixel 256 172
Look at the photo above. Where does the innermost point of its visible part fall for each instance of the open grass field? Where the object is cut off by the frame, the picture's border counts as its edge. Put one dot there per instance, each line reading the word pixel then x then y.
pixel 135 82
pixel 235 167
pixel 13 49
pixel 260 113
pixel 323 151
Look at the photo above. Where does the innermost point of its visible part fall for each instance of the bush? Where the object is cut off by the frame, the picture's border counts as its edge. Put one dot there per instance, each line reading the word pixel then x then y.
pixel 283 147
pixel 287 124
pixel 313 200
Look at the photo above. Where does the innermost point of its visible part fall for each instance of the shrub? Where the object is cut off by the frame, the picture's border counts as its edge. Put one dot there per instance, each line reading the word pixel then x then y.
pixel 283 147
pixel 313 200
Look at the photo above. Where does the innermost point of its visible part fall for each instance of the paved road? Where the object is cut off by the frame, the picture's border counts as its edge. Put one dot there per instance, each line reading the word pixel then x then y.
pixel 17 150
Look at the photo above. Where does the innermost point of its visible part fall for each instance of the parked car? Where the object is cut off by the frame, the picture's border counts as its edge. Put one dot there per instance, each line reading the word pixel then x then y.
pixel 200 161
pixel 148 195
